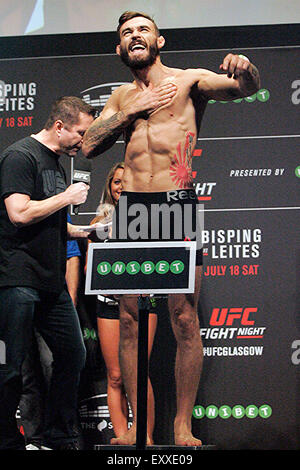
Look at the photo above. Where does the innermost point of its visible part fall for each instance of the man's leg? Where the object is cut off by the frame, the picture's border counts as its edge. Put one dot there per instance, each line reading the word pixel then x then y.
pixel 58 323
pixel 189 358
pixel 128 352
pixel 36 377
pixel 128 360
pixel 33 396
pixel 16 315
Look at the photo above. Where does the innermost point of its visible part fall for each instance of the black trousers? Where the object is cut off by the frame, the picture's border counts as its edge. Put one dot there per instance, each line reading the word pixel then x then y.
pixel 36 380
pixel 55 317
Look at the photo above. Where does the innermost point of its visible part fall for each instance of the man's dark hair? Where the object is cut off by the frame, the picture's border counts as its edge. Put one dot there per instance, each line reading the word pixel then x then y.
pixel 67 109
pixel 128 15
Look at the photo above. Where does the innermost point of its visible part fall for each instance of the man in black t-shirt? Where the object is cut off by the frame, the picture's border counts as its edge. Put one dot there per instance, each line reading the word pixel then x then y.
pixel 33 235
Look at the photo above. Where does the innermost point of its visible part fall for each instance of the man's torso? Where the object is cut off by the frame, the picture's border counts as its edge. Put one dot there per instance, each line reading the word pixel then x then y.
pixel 159 148
pixel 33 255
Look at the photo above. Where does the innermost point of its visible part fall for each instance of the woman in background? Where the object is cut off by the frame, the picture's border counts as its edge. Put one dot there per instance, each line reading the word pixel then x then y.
pixel 108 324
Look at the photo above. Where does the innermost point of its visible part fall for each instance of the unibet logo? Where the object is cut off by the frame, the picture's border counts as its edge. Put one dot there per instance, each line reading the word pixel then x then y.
pixel 237 411
pixel 297 171
pixel 134 267
pixel 262 95
pixel 89 334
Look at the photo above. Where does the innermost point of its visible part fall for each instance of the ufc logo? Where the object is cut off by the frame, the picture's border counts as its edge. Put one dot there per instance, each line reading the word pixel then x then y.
pixel 227 316
pixel 81 176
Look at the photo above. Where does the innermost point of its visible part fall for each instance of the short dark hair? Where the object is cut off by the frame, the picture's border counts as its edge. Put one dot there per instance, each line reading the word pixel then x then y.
pixel 67 108
pixel 128 15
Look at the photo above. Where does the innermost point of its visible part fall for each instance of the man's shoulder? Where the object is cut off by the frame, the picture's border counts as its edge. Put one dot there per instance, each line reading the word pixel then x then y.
pixel 186 76
pixel 23 145
pixel 120 92
pixel 194 73
pixel 16 146
pixel 20 151
pixel 124 88
pixel 191 77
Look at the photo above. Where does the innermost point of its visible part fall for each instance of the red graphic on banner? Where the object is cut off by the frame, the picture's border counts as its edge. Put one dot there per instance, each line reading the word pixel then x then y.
pixel 235 316
pixel 20 121
pixel 231 270
pixel 227 316
pixel 207 187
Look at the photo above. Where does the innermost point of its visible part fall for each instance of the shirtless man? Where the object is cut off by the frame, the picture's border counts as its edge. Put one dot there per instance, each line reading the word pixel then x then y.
pixel 160 114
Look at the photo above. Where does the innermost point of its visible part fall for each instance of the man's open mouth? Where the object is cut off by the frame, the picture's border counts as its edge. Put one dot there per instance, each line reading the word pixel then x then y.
pixel 137 47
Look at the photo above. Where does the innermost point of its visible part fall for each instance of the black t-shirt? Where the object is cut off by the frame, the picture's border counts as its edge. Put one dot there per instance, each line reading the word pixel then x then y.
pixel 35 255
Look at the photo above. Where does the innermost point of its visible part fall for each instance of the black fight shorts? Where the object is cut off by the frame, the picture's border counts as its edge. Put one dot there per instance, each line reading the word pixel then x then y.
pixel 162 216
pixel 109 309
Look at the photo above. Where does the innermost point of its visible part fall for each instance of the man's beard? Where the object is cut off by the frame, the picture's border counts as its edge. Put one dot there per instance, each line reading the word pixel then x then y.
pixel 139 63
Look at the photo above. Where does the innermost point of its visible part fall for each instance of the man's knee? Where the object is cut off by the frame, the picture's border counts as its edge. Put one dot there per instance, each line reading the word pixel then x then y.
pixel 71 359
pixel 114 379
pixel 128 326
pixel 128 317
pixel 186 324
pixel 184 320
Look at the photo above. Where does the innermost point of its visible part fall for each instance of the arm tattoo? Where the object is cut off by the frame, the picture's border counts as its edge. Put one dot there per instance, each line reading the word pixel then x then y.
pixel 103 134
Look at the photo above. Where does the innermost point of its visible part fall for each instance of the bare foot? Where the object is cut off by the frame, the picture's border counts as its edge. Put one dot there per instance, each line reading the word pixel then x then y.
pixel 129 438
pixel 184 437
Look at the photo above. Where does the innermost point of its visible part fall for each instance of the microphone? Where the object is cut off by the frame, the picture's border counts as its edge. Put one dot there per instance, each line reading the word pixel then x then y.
pixel 81 174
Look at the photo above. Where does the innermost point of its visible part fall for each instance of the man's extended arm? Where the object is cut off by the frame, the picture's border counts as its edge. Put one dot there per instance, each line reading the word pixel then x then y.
pixel 241 79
